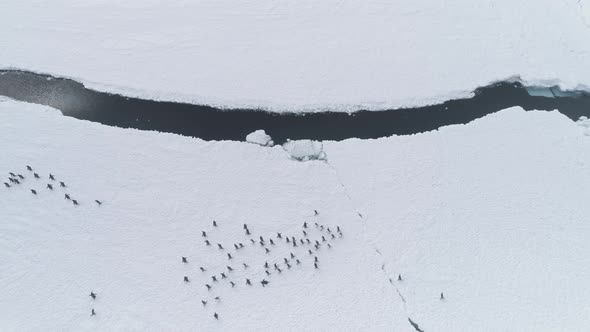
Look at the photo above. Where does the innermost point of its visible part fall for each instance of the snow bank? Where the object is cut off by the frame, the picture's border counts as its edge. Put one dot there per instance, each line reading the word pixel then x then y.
pixel 260 137
pixel 305 150
pixel 492 213
pixel 305 55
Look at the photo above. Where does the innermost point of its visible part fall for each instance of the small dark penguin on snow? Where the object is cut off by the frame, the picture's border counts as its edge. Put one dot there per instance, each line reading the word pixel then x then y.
pixel 214 223
pixel 34 191
pixel 93 295
pixel 186 279
pixel 51 177
pixel 98 202
pixel 49 186
pixel 92 313
pixel 36 176
pixel 61 184
pixel 29 168
pixel 75 202
pixel 208 286
pixel 184 259
pixel 67 196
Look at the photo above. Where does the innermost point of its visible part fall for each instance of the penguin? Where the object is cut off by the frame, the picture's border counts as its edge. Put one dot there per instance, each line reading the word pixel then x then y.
pixel 316 265
pixel 245 265
pixel 216 316
pixel 315 212
pixel 236 246
pixel 75 202
pixel 323 238
pixel 266 265
pixel 245 226
pixel 98 202
pixel 184 260
pixel 241 245
pixel 92 313
pixel 304 233
pixel 202 269
pixel 229 256
pixel 49 186
pixel 399 277
pixel 29 168
pixel 286 260
pixel 6 185
pixel 219 246
pixel 214 223
pixel 67 196
pixel 214 278
pixel 62 184
pixel 272 242
pixel 36 176
pixel 51 177
pixel 223 276
pixel 292 256
pixel 186 279
pixel 233 284
pixel 252 240
pixel 20 177
pixel 267 250
pixel 208 286
pixel 34 191
pixel 248 282
pixel 264 282
pixel 203 234
pixel 304 224
pixel 442 296
pixel 229 268
pixel 279 236
pixel 247 231
pixel 207 242
pixel 93 295
pixel 298 261
pixel 204 302
pixel 288 266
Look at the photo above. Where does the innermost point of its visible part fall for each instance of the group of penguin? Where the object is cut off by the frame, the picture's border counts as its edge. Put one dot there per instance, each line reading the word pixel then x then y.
pixel 307 243
pixel 16 179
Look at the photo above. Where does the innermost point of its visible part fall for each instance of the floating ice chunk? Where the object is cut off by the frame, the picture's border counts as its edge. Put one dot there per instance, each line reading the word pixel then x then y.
pixel 304 150
pixel 260 137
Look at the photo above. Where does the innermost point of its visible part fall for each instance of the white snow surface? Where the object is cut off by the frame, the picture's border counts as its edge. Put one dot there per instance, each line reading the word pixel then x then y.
pixel 259 137
pixel 492 213
pixel 299 56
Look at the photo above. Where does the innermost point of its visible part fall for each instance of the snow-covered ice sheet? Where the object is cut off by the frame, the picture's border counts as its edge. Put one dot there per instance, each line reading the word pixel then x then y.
pixel 159 191
pixel 492 213
pixel 303 55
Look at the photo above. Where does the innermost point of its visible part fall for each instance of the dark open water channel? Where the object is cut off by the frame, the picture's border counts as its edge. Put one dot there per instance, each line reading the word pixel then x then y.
pixel 210 123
